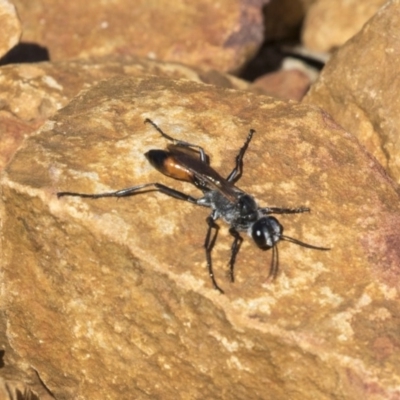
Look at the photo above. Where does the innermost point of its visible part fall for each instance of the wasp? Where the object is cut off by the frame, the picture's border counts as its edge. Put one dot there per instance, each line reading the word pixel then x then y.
pixel 189 162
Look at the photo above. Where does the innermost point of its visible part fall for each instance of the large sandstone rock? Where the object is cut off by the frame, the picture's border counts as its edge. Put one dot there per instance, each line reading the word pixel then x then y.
pixel 111 299
pixel 10 27
pixel 221 35
pixel 359 87
pixel 329 24
pixel 31 93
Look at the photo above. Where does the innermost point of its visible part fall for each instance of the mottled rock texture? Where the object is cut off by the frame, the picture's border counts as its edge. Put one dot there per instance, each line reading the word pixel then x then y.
pixel 10 27
pixel 285 84
pixel 31 93
pixel 111 299
pixel 221 35
pixel 329 24
pixel 360 87
pixel 11 390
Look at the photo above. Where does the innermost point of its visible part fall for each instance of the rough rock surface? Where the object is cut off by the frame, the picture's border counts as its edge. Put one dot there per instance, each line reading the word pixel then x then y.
pixel 31 93
pixel 329 24
pixel 221 35
pixel 360 87
pixel 285 84
pixel 111 299
pixel 10 27
pixel 16 376
pixel 11 390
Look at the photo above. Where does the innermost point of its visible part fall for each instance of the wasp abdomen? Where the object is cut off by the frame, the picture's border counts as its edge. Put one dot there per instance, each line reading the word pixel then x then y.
pixel 167 164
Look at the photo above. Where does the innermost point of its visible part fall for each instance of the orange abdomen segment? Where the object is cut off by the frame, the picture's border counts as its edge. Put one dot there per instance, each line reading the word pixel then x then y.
pixel 167 164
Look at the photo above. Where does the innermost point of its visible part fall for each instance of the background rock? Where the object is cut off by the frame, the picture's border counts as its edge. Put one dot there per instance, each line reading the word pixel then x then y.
pixel 31 93
pixel 112 297
pixel 10 27
pixel 329 24
pixel 359 87
pixel 221 35
pixel 17 377
pixel 10 390
pixel 285 85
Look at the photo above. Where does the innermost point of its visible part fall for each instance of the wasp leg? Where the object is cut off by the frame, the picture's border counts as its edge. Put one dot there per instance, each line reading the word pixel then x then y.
pixel 209 245
pixel 236 173
pixel 149 187
pixel 237 242
pixel 181 143
pixel 279 210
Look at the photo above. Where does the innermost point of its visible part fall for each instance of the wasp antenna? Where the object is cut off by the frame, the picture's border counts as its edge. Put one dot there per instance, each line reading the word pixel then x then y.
pixel 273 271
pixel 300 243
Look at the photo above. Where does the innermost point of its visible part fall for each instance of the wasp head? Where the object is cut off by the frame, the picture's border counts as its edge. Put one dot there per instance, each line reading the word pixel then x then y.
pixel 266 232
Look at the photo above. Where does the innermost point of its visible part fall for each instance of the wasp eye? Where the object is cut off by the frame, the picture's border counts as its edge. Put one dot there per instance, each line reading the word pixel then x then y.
pixel 266 232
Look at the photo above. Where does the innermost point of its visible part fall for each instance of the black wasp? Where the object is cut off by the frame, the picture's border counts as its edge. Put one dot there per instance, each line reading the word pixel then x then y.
pixel 189 162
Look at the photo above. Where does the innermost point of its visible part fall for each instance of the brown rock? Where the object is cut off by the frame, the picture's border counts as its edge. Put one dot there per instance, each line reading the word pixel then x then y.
pixel 11 390
pixel 329 24
pixel 359 87
pixel 221 35
pixel 17 378
pixel 31 93
pixel 286 85
pixel 111 299
pixel 10 27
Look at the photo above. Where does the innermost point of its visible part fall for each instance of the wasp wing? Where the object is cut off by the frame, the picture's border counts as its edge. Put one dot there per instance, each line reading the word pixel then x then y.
pixel 185 164
pixel 204 176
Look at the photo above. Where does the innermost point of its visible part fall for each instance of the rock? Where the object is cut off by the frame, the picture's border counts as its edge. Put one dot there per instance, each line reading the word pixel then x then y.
pixel 330 24
pixel 285 84
pixel 111 298
pixel 18 380
pixel 10 27
pixel 10 390
pixel 359 87
pixel 31 93
pixel 206 34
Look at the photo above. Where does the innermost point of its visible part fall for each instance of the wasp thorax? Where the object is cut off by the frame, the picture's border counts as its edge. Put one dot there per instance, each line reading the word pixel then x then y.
pixel 247 205
pixel 266 232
